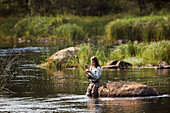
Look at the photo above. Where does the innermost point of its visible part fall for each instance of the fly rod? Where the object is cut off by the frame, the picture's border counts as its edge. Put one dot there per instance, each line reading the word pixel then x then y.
pixel 63 45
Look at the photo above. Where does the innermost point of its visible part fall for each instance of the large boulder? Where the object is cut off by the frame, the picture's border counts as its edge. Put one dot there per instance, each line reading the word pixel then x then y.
pixel 63 54
pixel 60 57
pixel 126 89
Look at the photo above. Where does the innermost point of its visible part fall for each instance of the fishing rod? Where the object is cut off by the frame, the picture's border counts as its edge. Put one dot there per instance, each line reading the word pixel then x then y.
pixel 63 45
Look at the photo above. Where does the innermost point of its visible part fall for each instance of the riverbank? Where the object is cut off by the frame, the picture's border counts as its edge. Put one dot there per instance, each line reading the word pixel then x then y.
pixel 138 54
pixel 77 29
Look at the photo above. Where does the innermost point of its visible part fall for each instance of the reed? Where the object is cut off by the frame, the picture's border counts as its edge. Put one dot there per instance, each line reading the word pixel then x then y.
pixel 141 54
pixel 7 27
pixel 33 27
pixel 8 71
pixel 89 50
pixel 147 28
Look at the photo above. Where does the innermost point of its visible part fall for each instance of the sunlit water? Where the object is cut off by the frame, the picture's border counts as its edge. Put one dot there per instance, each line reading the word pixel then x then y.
pixel 52 90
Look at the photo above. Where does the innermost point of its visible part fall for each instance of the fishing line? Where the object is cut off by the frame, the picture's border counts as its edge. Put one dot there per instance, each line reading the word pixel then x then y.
pixel 63 44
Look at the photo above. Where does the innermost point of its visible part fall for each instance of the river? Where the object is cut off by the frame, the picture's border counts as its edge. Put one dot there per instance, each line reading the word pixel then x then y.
pixel 54 90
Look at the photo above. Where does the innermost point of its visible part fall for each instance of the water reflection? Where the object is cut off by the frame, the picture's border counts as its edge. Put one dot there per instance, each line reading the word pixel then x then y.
pixel 163 71
pixel 94 106
pixel 125 105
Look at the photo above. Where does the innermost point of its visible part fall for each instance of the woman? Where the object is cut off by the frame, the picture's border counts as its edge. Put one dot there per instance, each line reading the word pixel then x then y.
pixel 94 75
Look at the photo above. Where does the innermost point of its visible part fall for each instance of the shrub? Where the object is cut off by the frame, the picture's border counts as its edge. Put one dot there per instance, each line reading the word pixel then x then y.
pixel 148 28
pixel 72 32
pixel 7 27
pixel 89 50
pixel 37 27
pixel 143 53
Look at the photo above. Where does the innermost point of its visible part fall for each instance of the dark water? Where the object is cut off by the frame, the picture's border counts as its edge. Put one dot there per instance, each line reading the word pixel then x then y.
pixel 52 90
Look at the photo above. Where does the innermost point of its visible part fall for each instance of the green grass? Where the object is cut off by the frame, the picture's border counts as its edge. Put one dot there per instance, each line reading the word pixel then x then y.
pixel 77 29
pixel 73 27
pixel 7 27
pixel 87 51
pixel 140 54
pixel 147 28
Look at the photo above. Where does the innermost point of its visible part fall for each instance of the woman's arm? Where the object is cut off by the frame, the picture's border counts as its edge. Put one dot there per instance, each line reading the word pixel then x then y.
pixel 98 73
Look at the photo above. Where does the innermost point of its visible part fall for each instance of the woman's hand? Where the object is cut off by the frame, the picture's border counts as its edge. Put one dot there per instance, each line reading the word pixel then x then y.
pixel 87 71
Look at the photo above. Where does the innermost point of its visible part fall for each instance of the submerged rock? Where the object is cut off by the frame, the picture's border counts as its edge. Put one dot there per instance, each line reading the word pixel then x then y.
pixel 126 89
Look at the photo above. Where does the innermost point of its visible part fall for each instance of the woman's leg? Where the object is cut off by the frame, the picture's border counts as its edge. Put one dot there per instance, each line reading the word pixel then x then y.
pixel 94 91
pixel 89 89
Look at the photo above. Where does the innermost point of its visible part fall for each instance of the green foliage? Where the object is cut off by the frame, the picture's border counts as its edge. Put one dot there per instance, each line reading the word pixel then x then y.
pixel 37 27
pixel 138 54
pixel 148 28
pixel 7 27
pixel 81 8
pixel 86 52
pixel 92 26
pixel 89 50
pixel 72 32
pixel 143 53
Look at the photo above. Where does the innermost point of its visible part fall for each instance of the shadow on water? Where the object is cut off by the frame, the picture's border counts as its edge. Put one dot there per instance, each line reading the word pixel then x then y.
pixel 40 90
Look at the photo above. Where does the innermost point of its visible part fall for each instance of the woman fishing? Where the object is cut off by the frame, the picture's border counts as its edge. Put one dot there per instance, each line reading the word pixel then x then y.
pixel 94 75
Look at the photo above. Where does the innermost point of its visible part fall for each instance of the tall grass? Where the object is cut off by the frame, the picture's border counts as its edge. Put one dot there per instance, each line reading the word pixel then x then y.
pixel 88 50
pixel 73 32
pixel 37 27
pixel 8 71
pixel 7 28
pixel 143 53
pixel 147 28
pixel 138 54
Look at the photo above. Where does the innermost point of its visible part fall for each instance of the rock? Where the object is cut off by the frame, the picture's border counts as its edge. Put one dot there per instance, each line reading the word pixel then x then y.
pixel 20 40
pixel 63 54
pixel 60 57
pixel 163 65
pixel 149 65
pixel 29 41
pixel 126 89
pixel 44 40
pixel 114 64
pixel 119 41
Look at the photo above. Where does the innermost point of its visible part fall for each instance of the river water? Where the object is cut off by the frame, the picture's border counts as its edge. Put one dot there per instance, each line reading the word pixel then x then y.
pixel 54 90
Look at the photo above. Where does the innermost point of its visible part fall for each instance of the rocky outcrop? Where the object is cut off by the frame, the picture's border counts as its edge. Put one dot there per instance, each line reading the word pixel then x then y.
pixel 114 64
pixel 126 89
pixel 163 65
pixel 63 54
pixel 60 56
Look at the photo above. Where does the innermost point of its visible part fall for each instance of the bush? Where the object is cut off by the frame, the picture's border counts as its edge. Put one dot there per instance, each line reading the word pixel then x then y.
pixel 148 28
pixel 72 32
pixel 7 27
pixel 37 27
pixel 89 50
pixel 143 53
